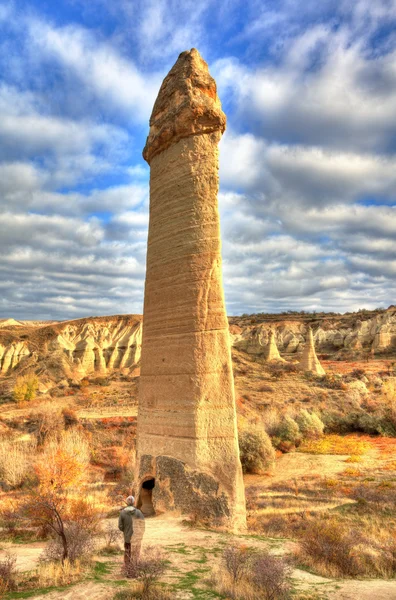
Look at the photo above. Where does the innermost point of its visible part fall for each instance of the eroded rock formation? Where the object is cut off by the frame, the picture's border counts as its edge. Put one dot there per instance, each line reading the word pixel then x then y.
pixel 309 360
pixel 187 435
pixel 72 349
pixel 373 332
pixel 116 341
pixel 272 352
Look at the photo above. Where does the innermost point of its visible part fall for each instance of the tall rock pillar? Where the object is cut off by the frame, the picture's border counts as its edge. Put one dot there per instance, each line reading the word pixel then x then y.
pixel 187 444
pixel 272 352
pixel 309 360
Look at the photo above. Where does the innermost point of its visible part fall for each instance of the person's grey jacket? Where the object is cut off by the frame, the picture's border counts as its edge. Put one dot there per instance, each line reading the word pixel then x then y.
pixel 125 521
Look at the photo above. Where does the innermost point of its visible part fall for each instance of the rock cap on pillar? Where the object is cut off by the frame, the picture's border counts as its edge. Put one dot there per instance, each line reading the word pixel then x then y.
pixel 309 360
pixel 187 104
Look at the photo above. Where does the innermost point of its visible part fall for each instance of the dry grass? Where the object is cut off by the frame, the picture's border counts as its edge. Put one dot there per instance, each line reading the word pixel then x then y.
pixel 247 575
pixel 335 548
pixel 15 461
pixel 336 444
pixel 56 574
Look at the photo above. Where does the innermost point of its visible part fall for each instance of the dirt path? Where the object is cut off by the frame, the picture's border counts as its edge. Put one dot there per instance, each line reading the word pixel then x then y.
pixel 193 553
pixel 27 555
pixel 82 591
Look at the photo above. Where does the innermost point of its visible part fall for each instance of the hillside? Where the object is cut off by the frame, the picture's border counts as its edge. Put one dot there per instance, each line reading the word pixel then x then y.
pixel 75 349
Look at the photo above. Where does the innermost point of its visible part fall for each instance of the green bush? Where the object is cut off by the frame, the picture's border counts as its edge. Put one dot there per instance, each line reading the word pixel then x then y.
pixel 310 425
pixel 361 421
pixel 256 451
pixel 25 388
pixel 288 431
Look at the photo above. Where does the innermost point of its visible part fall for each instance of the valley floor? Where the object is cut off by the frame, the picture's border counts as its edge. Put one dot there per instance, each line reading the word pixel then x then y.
pixel 194 552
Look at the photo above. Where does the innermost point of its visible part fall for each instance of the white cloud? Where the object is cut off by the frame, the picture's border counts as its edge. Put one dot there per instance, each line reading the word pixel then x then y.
pixel 345 99
pixel 102 71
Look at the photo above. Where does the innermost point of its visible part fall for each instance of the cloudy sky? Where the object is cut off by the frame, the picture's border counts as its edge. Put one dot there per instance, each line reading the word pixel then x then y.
pixel 308 161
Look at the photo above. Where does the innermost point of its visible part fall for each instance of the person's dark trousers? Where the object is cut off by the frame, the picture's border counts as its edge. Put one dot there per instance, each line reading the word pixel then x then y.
pixel 127 558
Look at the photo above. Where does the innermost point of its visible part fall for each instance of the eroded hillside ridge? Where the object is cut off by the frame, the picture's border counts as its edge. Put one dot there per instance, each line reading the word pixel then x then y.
pixel 373 332
pixel 72 349
pixel 75 349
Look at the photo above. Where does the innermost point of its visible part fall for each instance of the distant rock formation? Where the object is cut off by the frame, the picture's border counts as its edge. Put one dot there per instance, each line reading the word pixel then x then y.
pixel 187 446
pixel 309 360
pixel 272 352
pixel 63 349
pixel 373 332
pixel 72 349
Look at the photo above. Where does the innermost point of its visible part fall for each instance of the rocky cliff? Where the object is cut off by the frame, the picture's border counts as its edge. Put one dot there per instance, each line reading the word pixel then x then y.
pixel 365 331
pixel 71 349
pixel 75 349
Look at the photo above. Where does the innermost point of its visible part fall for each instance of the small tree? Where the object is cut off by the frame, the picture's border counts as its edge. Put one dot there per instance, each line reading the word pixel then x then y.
pixel 7 574
pixel 236 560
pixel 150 568
pixel 270 577
pixel 25 388
pixel 60 467
pixel 46 423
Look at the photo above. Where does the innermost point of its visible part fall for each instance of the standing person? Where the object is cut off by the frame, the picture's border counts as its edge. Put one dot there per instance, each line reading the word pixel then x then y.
pixel 131 523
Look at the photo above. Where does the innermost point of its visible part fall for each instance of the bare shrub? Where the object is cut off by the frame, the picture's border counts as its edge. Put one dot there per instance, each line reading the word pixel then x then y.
pixel 25 388
pixel 266 388
pixel 337 549
pixel 8 518
pixel 111 536
pixel 73 446
pixel 8 573
pixel 80 543
pixel 330 545
pixel 271 419
pixel 150 567
pixel 47 422
pixel 357 373
pixel 256 451
pixel 135 593
pixel 70 417
pixel 15 461
pixel 279 369
pixel 270 576
pixel 236 560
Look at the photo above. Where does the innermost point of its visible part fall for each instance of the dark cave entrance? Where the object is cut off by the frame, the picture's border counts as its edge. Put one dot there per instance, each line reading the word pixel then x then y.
pixel 145 502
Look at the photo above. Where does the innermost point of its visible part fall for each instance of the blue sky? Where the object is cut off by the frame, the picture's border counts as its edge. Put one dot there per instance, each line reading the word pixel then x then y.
pixel 308 161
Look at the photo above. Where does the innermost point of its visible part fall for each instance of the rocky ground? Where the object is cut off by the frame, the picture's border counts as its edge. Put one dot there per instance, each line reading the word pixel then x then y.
pixel 193 553
pixel 75 379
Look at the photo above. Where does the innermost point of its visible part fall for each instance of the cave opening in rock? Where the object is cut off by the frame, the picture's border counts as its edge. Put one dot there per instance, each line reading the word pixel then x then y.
pixel 145 502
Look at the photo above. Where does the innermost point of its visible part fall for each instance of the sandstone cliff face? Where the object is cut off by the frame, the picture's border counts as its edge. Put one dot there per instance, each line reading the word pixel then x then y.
pixel 113 343
pixel 187 436
pixel 375 333
pixel 72 349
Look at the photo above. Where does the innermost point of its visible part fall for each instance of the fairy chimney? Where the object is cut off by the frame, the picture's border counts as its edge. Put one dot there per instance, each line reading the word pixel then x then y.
pixel 187 444
pixel 309 360
pixel 272 352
